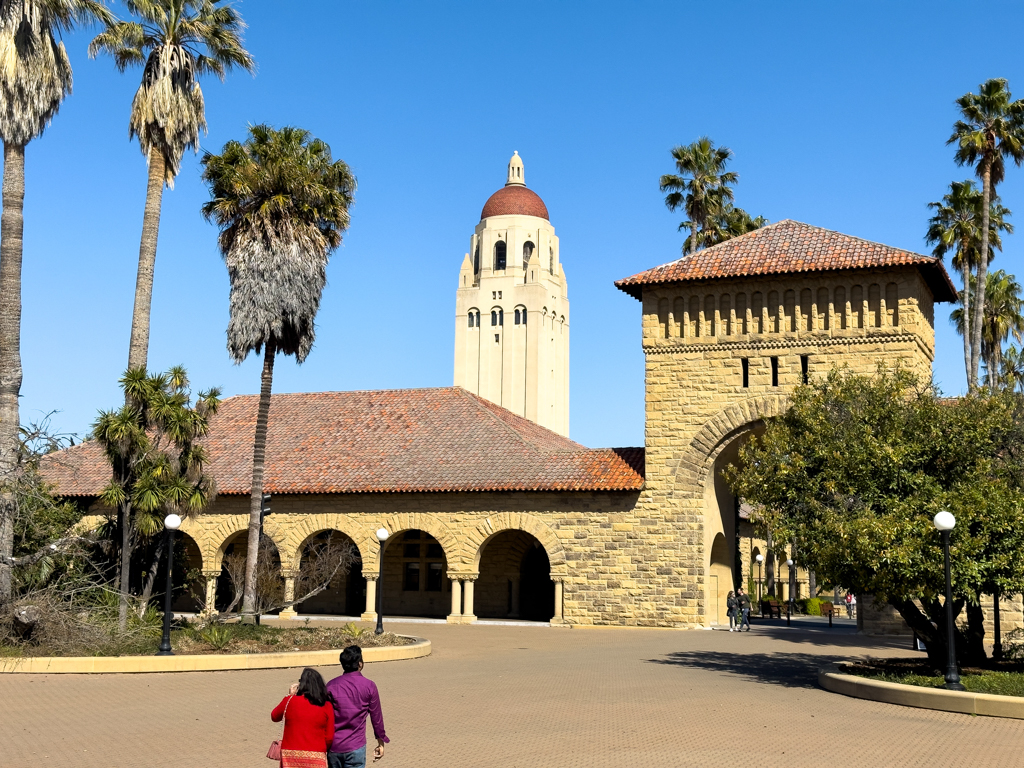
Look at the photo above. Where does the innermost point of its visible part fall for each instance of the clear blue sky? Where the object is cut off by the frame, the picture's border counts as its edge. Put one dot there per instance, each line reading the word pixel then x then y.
pixel 837 114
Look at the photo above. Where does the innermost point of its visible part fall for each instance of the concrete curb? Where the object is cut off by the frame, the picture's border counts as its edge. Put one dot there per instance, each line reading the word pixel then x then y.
pixel 988 704
pixel 204 663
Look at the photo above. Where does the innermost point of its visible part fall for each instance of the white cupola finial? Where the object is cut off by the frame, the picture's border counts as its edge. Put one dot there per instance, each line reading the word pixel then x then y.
pixel 515 171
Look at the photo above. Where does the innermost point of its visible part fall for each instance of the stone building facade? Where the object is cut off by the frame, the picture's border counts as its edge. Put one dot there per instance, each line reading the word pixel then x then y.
pixel 491 514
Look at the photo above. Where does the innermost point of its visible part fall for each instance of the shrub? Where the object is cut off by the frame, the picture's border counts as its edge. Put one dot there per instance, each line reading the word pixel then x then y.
pixel 812 606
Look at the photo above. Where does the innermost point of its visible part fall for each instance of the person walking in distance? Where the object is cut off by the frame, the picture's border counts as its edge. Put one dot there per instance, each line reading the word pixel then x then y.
pixel 743 600
pixel 849 605
pixel 733 609
pixel 354 698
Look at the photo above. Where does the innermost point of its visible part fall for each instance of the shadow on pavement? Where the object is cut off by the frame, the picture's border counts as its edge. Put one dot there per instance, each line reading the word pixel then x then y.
pixel 792 670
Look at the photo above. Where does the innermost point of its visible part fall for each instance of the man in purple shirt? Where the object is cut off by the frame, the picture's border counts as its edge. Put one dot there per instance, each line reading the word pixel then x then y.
pixel 355 697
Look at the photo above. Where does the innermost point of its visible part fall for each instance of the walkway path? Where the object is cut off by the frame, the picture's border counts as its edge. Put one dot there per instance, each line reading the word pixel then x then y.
pixel 523 697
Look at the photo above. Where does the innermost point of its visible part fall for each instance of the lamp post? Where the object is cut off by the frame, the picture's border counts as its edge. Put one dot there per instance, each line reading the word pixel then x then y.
pixel 760 559
pixel 382 536
pixel 171 523
pixel 790 605
pixel 945 522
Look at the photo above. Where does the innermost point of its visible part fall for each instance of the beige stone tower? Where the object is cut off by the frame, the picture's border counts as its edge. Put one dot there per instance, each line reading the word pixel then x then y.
pixel 512 308
pixel 728 333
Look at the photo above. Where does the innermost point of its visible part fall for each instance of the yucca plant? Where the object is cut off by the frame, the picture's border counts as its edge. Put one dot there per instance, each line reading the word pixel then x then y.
pixel 158 463
pixel 176 42
pixel 282 203
pixel 35 76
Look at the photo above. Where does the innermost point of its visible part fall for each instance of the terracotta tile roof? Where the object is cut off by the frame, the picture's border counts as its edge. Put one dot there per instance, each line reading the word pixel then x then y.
pixel 391 441
pixel 790 247
pixel 514 200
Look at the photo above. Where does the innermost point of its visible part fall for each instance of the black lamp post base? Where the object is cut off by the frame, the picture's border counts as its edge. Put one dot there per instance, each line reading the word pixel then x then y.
pixel 954 686
pixel 163 652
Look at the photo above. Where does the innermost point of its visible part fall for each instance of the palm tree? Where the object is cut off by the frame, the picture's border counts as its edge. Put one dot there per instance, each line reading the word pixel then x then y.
pixel 726 223
pixel 1004 316
pixel 282 205
pixel 957 225
pixel 178 41
pixel 1012 373
pixel 701 186
pixel 35 76
pixel 992 129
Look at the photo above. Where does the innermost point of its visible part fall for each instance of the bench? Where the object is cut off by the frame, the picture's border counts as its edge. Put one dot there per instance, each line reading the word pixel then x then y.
pixel 771 609
pixel 827 608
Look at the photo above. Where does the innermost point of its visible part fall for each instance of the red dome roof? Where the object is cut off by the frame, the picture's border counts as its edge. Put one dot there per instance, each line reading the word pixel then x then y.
pixel 514 200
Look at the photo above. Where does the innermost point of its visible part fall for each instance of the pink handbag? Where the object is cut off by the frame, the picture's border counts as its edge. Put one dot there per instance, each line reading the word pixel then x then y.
pixel 274 753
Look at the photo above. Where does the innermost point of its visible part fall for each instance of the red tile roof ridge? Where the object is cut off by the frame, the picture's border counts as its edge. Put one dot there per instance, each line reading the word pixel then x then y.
pixel 787 247
pixel 487 407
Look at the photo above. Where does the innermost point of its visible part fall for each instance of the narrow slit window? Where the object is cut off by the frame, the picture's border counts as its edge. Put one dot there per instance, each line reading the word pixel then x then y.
pixel 804 365
pixel 775 371
pixel 746 372
pixel 494 317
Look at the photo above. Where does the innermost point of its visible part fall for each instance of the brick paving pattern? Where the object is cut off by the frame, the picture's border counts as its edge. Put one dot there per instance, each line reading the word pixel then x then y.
pixel 517 697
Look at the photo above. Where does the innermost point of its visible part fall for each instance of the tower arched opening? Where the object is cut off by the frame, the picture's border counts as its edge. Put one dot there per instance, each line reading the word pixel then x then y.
pixel 500 253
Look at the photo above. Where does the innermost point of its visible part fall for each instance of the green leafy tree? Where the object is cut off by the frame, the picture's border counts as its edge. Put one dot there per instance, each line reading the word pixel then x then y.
pixel 282 203
pixel 956 226
pixel 176 42
pixel 700 186
pixel 35 76
pixel 1004 316
pixel 856 468
pixel 152 444
pixel 991 129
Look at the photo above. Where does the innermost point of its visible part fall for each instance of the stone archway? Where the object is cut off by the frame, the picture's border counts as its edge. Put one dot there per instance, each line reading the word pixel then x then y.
pixel 476 538
pixel 700 487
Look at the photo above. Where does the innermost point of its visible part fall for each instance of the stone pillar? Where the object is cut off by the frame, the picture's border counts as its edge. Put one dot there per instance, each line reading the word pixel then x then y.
pixel 210 607
pixel 455 617
pixel 557 618
pixel 370 614
pixel 514 613
pixel 467 610
pixel 288 612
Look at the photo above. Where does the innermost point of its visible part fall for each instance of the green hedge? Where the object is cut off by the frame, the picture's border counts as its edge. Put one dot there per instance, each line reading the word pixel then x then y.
pixel 811 606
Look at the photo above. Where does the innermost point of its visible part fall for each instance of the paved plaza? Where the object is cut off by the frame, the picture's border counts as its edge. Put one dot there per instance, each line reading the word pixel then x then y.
pixel 522 696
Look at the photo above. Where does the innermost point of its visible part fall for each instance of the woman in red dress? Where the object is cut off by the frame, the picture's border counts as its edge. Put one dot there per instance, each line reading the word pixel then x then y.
pixel 308 723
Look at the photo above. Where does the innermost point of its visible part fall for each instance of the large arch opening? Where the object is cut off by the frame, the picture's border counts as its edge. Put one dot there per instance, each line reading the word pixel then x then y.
pixel 515 579
pixel 415 576
pixel 345 593
pixel 269 581
pixel 722 522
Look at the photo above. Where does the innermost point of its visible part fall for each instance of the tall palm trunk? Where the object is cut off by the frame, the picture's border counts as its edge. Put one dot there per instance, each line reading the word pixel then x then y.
pixel 259 453
pixel 967 310
pixel 138 347
pixel 11 228
pixel 979 290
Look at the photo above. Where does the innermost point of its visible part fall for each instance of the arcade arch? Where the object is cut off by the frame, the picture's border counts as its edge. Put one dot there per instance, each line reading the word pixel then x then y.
pixel 515 578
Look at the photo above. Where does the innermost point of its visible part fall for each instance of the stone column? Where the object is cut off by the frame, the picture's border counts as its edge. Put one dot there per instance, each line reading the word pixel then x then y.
pixel 455 617
pixel 467 610
pixel 557 618
pixel 211 592
pixel 370 614
pixel 514 613
pixel 288 612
